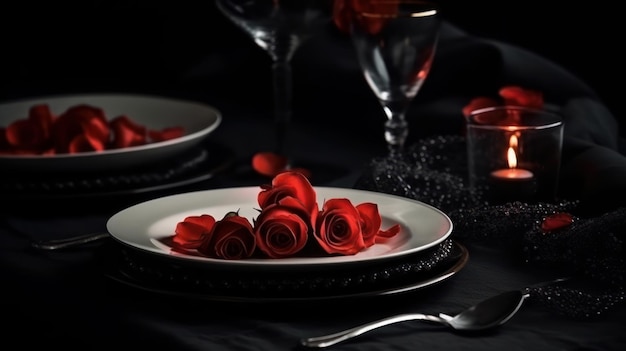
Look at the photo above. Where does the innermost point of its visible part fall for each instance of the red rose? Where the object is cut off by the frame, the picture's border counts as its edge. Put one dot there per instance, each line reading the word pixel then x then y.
pixel 190 233
pixel 287 219
pixel 282 228
pixel 289 184
pixel 338 228
pixel 232 238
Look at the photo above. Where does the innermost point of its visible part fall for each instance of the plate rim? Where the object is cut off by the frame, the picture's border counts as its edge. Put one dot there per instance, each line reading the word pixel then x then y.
pixel 290 263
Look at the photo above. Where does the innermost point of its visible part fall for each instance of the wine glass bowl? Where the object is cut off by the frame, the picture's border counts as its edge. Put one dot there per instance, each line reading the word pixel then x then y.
pixel 279 27
pixel 395 43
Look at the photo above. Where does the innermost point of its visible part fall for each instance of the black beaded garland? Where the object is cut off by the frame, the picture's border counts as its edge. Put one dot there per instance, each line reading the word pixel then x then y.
pixel 434 170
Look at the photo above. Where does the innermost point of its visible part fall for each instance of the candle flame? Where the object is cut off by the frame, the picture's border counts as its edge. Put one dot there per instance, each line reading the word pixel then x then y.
pixel 511 158
pixel 511 155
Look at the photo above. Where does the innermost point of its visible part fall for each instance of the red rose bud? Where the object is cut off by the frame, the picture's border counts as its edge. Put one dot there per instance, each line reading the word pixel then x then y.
pixel 232 238
pixel 289 184
pixel 338 228
pixel 282 229
pixel 191 232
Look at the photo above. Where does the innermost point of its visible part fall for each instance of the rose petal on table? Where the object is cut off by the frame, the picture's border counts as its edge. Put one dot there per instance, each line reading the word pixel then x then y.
pixel 268 163
pixel 556 221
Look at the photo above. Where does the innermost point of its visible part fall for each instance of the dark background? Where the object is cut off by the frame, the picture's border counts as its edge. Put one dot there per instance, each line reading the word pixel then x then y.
pixel 148 46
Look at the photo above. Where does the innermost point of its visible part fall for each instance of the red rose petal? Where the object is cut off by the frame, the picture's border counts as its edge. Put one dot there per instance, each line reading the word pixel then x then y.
pixel 384 235
pixel 191 232
pixel 189 235
pixel 96 128
pixel 80 128
pixel 24 134
pixel 42 115
pixel 204 220
pixel 127 133
pixel 268 163
pixel 82 143
pixel 370 222
pixel 166 134
pixel 515 95
pixel 556 221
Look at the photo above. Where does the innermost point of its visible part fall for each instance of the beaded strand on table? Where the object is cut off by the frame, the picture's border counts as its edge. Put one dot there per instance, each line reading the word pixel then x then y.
pixel 434 171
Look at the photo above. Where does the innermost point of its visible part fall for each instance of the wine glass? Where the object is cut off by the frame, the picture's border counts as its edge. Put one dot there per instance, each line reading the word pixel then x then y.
pixel 279 27
pixel 395 42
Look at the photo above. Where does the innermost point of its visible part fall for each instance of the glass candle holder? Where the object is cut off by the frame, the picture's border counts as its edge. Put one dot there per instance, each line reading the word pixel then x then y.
pixel 514 153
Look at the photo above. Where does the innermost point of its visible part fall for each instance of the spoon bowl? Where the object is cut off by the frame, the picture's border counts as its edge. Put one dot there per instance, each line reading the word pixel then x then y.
pixel 485 315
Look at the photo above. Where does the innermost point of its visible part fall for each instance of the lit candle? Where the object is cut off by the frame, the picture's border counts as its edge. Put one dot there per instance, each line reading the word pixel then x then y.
pixel 512 172
pixel 510 184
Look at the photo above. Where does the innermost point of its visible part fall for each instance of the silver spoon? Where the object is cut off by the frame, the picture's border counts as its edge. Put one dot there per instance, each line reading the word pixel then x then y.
pixel 57 244
pixel 487 314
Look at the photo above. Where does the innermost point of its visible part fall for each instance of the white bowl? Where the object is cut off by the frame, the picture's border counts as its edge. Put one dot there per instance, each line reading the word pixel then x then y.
pixel 197 119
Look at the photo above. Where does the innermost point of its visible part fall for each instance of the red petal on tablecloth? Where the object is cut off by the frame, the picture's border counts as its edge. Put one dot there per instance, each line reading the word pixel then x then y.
pixel 556 221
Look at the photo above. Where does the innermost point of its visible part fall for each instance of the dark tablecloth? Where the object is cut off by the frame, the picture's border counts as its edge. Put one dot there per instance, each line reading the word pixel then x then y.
pixel 60 300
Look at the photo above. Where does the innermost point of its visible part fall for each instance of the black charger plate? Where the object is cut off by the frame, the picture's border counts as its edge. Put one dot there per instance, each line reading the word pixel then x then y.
pixel 167 277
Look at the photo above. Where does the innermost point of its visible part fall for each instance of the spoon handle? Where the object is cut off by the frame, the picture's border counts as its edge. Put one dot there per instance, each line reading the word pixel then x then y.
pixel 56 244
pixel 332 339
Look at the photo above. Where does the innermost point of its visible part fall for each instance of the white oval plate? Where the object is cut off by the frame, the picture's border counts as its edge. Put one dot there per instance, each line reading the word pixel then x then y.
pixel 145 226
pixel 198 120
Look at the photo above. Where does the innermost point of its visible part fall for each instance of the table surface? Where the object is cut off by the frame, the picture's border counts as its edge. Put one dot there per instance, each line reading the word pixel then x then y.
pixel 62 298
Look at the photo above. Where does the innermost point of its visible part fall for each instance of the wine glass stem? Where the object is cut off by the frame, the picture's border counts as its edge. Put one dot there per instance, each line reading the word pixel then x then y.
pixel 396 132
pixel 281 71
